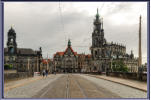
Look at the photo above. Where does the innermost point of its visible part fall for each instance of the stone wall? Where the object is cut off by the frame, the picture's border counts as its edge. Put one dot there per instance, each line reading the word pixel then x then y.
pixel 128 75
pixel 122 75
pixel 15 76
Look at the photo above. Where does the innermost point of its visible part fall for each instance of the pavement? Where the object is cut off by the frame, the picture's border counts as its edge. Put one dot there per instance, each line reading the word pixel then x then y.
pixel 18 83
pixel 128 82
pixel 71 86
pixel 74 86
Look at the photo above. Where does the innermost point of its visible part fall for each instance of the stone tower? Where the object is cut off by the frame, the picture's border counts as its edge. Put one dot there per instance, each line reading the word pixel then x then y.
pixel 11 42
pixel 140 48
pixel 98 39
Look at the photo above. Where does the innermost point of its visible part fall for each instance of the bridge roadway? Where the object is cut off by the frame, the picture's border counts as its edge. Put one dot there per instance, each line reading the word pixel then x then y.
pixel 74 86
pixel 69 86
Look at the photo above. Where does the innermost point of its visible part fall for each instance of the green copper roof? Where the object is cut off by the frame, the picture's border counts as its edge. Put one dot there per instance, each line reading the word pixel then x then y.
pixel 97 15
pixel 69 42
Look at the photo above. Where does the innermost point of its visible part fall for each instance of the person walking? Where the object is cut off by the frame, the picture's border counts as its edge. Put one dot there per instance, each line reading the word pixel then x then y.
pixel 46 72
pixel 43 73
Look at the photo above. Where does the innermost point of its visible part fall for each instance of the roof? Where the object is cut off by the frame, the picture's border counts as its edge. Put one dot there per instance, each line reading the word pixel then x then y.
pixel 25 51
pixel 75 53
pixel 45 61
pixel 89 56
pixel 59 53
pixel 62 53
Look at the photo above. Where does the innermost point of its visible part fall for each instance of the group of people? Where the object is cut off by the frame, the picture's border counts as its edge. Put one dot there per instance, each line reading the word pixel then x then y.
pixel 45 73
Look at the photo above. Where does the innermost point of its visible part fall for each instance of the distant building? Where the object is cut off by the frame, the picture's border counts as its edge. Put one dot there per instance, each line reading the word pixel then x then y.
pixel 66 61
pixel 22 59
pixel 47 64
pixel 104 53
pixel 82 62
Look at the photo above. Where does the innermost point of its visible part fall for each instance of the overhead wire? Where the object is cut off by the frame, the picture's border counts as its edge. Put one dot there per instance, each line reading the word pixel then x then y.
pixel 102 6
pixel 61 20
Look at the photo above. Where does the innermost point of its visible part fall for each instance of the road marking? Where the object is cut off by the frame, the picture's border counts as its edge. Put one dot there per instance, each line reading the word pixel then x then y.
pixel 67 87
pixel 47 89
pixel 83 92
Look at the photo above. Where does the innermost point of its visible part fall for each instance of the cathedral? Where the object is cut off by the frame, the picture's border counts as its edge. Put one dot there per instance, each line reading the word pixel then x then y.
pixel 104 53
pixel 22 59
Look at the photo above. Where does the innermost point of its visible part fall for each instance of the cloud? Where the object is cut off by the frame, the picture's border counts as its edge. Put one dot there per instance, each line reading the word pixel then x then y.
pixel 40 24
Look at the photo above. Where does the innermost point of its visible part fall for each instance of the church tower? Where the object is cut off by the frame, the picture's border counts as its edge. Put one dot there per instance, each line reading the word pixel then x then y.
pixel 98 39
pixel 11 42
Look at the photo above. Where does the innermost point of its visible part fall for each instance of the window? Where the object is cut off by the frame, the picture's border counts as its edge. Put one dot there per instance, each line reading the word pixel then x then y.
pixel 95 53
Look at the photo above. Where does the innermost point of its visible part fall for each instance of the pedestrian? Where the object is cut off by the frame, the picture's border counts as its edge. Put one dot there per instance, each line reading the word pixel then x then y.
pixel 46 72
pixel 43 73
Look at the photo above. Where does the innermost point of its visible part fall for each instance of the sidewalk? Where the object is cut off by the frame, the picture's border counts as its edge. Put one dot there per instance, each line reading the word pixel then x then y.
pixel 128 82
pixel 17 83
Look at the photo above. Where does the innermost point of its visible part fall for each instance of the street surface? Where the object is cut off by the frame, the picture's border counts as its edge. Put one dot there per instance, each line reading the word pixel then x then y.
pixel 73 86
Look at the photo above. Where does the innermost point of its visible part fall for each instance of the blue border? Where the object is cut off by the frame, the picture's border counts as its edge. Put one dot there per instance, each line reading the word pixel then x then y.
pixel 2 41
pixel 148 49
pixel 1 47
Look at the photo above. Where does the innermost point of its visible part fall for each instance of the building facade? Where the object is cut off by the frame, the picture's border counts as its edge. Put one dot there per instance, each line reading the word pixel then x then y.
pixel 104 53
pixel 66 61
pixel 22 59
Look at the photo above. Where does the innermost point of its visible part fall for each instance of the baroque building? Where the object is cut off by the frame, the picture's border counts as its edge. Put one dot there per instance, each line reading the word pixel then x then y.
pixel 22 59
pixel 71 62
pixel 104 53
pixel 66 61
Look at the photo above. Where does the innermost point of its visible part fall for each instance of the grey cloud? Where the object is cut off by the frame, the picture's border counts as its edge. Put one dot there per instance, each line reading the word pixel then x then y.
pixel 39 24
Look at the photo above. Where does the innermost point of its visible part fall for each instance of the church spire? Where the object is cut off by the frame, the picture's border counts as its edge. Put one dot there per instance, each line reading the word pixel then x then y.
pixel 69 43
pixel 97 15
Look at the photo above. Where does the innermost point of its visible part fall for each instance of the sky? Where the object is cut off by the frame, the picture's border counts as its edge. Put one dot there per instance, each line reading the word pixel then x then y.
pixel 50 24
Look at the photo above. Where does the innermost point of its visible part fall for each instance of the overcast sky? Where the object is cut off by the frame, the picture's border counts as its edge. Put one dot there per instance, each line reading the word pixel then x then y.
pixel 49 25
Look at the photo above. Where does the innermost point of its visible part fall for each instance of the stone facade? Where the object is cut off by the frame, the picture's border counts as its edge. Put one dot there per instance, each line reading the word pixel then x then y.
pixel 66 61
pixel 22 59
pixel 104 53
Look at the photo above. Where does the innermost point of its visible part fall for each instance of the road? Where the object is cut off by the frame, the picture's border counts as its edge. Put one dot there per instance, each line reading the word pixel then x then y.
pixel 74 86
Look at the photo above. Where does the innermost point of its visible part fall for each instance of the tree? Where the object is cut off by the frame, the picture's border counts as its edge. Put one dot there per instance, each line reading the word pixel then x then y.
pixel 8 66
pixel 119 66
